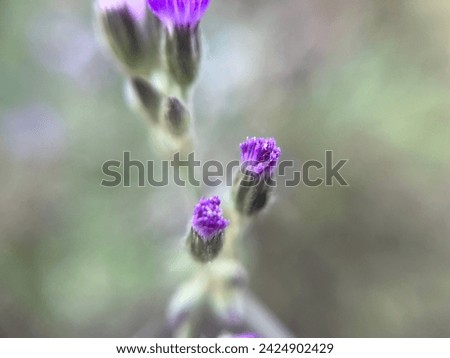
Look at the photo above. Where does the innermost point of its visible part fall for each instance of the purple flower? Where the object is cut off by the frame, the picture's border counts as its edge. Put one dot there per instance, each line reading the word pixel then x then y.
pixel 179 13
pixel 208 221
pixel 137 8
pixel 260 155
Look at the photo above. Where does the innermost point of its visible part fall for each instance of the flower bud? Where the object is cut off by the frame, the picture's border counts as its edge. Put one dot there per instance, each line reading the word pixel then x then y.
pixel 252 187
pixel 176 117
pixel 207 233
pixel 183 51
pixel 147 98
pixel 183 45
pixel 205 250
pixel 132 33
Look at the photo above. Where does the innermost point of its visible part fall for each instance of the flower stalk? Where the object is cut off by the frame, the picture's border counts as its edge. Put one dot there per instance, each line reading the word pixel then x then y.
pixel 157 44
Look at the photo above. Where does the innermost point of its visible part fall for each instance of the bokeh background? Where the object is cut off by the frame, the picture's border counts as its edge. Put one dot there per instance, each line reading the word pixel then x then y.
pixel 368 79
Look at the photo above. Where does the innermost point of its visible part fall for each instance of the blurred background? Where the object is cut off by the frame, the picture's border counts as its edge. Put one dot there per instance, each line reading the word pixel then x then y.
pixel 368 79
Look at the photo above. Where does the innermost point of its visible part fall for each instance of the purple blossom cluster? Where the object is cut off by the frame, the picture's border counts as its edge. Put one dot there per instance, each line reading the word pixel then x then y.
pixel 207 220
pixel 260 155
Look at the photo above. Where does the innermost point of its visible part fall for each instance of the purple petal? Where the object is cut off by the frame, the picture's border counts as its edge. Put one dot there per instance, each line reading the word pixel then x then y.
pixel 260 155
pixel 179 12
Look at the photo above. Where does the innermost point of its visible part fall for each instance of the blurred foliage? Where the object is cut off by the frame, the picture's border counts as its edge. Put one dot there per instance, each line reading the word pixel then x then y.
pixel 367 79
